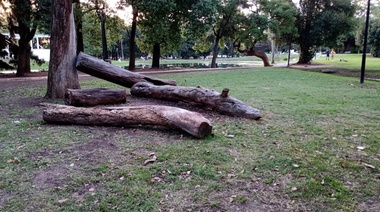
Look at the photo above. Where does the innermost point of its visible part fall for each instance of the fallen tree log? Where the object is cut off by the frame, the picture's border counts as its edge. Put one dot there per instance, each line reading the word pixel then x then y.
pixel 101 69
pixel 94 96
pixel 171 117
pixel 219 102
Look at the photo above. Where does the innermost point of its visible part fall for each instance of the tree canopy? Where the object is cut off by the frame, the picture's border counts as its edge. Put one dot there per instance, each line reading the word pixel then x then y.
pixel 321 22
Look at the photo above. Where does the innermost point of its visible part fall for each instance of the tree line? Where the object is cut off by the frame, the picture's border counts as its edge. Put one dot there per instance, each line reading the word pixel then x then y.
pixel 160 27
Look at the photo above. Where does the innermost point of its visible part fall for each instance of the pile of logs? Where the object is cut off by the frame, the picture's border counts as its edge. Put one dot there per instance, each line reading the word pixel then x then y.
pixel 79 108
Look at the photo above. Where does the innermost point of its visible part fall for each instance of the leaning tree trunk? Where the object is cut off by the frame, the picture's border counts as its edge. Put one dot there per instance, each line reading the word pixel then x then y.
pixel 219 102
pixel 62 72
pixel 172 117
pixel 98 68
pixel 260 55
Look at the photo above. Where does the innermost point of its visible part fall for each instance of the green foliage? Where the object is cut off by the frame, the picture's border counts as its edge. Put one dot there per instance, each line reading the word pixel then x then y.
pixel 321 23
pixel 115 29
pixel 374 39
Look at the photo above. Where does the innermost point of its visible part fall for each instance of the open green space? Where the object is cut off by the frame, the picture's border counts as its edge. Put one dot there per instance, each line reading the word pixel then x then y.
pixel 315 149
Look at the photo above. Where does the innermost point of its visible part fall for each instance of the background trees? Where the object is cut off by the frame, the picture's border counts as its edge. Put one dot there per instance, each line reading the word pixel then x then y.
pixel 190 28
pixel 321 22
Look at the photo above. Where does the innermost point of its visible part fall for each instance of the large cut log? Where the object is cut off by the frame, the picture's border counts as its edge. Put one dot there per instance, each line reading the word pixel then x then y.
pixel 94 96
pixel 219 102
pixel 172 117
pixel 101 69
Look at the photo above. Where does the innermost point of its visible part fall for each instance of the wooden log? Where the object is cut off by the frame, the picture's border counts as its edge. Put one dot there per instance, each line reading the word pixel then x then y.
pixel 172 117
pixel 219 102
pixel 101 69
pixel 94 96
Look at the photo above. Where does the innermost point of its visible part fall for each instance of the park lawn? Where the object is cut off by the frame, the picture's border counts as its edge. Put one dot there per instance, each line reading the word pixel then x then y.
pixel 350 65
pixel 316 148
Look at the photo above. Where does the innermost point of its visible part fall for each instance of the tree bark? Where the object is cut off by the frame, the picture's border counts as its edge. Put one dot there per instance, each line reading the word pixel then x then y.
pixel 62 73
pixel 174 118
pixel 98 68
pixel 94 96
pixel 219 102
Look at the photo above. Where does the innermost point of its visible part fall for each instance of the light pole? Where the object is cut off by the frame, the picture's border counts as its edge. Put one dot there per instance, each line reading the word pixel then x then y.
pixel 365 43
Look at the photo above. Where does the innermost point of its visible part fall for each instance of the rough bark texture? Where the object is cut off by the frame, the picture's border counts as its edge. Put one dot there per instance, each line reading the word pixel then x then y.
pixel 94 96
pixel 175 118
pixel 219 102
pixel 62 73
pixel 98 68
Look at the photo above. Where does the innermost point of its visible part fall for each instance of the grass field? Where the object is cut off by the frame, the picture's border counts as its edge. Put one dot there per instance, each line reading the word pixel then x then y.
pixel 316 149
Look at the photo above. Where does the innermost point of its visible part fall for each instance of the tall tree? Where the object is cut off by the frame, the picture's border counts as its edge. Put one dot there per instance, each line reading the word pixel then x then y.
pixel 93 36
pixel 321 22
pixel 62 72
pixel 132 35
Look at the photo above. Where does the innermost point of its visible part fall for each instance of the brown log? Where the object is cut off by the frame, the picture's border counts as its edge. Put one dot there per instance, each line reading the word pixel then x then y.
pixel 94 96
pixel 101 69
pixel 172 117
pixel 219 102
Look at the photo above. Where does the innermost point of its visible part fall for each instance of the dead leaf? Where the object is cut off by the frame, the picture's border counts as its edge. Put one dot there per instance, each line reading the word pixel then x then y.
pixel 152 159
pixel 14 160
pixel 156 180
pixel 230 176
pixel 367 165
pixel 62 200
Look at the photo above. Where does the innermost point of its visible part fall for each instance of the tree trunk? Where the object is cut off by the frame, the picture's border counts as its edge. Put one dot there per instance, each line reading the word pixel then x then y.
pixel 78 17
pixel 215 51
pixel 219 102
pixel 156 56
pixel 24 49
pixel 102 17
pixel 175 118
pixel 260 55
pixel 94 96
pixel 62 72
pixel 98 68
pixel 132 51
pixel 23 62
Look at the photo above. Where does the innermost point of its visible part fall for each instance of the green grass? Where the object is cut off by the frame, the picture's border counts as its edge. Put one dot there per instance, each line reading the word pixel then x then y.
pixel 302 153
pixel 351 64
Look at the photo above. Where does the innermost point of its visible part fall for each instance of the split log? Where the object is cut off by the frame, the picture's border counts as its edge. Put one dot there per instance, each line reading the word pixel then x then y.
pixel 94 96
pixel 172 117
pixel 101 69
pixel 219 102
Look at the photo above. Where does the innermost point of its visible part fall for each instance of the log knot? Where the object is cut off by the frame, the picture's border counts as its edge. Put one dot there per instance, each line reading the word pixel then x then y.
pixel 225 92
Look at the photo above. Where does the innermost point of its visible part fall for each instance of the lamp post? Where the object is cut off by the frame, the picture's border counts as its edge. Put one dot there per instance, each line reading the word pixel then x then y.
pixel 365 43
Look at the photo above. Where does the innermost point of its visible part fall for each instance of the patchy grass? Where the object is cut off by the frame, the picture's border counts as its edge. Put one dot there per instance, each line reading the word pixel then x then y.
pixel 316 148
